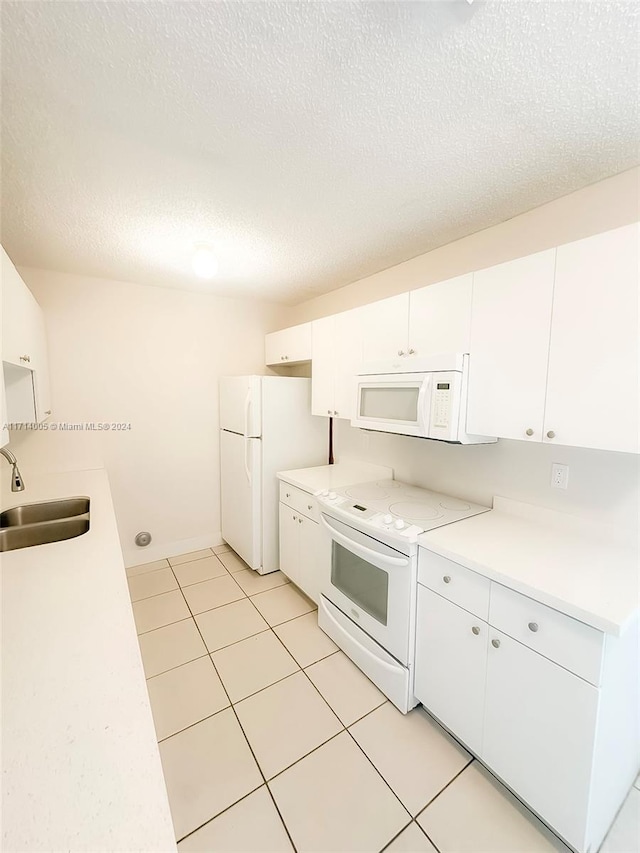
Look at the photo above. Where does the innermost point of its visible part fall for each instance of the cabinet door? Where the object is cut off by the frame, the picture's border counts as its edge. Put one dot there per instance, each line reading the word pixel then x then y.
pixel 440 317
pixel 323 351
pixel 309 544
pixel 347 362
pixel 20 313
pixel 41 372
pixel 288 345
pixel 289 543
pixel 539 731
pixel 510 327
pixel 385 328
pixel 592 395
pixel 451 662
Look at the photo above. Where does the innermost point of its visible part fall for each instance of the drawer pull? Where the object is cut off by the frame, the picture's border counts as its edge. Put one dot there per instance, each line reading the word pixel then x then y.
pixel 309 506
pixel 288 494
pixel 475 630
pixel 447 578
pixel 495 644
pixel 529 431
pixel 551 434
pixel 299 521
pixel 533 626
pixel 295 517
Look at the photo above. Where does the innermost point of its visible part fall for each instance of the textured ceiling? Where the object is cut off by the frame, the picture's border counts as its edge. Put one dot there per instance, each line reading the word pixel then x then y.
pixel 311 143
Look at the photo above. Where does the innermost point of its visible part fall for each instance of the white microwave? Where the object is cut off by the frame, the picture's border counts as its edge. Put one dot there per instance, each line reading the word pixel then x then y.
pixel 424 397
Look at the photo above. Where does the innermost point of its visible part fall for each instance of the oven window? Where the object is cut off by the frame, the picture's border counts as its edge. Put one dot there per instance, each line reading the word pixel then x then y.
pixel 366 585
pixel 390 403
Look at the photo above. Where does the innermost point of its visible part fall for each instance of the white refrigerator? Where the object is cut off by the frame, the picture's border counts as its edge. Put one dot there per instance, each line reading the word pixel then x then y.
pixel 266 426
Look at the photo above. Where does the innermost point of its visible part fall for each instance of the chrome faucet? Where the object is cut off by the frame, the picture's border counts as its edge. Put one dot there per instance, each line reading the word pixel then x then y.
pixel 17 483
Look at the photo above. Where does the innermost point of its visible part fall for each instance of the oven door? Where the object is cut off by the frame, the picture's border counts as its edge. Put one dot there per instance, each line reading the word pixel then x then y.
pixel 399 403
pixel 371 583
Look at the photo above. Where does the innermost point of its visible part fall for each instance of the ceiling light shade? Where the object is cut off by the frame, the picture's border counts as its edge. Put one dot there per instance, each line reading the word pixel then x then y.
pixel 204 262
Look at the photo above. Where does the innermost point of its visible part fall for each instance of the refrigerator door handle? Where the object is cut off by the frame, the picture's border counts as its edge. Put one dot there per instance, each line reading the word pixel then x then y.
pixel 247 405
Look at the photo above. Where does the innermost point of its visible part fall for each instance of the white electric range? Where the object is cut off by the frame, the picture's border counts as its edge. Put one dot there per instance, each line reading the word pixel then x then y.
pixel 369 574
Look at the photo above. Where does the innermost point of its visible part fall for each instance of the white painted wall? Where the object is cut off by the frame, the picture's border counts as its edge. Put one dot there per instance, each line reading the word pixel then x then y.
pixel 122 352
pixel 603 486
pixel 599 207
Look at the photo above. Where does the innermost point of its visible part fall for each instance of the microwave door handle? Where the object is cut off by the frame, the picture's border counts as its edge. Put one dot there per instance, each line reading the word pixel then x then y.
pixel 361 550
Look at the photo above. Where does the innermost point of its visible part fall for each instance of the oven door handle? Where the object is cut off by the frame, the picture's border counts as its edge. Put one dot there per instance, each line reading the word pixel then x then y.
pixel 361 550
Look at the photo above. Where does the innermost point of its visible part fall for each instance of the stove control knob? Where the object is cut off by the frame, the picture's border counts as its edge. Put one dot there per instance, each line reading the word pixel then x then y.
pixel 398 524
pixel 332 496
pixel 388 519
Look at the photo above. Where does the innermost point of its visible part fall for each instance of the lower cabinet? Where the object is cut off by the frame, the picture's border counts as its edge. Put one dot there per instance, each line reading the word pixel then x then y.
pixel 299 540
pixel 539 729
pixel 567 747
pixel 451 665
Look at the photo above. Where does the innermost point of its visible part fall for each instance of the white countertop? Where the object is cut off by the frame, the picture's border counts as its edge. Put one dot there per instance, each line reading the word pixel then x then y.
pixel 335 476
pixel 552 558
pixel 80 761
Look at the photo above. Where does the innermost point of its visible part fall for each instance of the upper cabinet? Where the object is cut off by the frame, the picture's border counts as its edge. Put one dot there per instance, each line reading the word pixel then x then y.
pixel 431 320
pixel 510 326
pixel 440 317
pixel 554 345
pixel 288 345
pixel 336 356
pixel 24 350
pixel 592 388
pixel 385 329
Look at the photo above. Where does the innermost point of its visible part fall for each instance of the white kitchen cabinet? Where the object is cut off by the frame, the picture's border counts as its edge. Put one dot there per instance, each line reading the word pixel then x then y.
pixel 539 730
pixel 516 693
pixel 451 662
pixel 592 388
pixel 299 542
pixel 288 345
pixel 440 317
pixel 336 358
pixel 24 350
pixel 510 328
pixel 385 329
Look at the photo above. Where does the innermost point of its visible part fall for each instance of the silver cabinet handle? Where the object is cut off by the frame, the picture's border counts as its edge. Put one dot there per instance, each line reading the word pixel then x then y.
pixel 281 358
pixel 48 412
pixel 26 358
pixel 529 431
pixel 447 578
pixel 551 434
pixel 400 352
pixel 475 630
pixel 328 411
pixel 309 506
pixel 335 413
pixel 495 644
pixel 299 521
pixel 295 517
pixel 412 351
pixel 533 626
pixel 287 494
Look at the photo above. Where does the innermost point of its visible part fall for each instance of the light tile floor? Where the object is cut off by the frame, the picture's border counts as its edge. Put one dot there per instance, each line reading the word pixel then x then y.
pixel 272 741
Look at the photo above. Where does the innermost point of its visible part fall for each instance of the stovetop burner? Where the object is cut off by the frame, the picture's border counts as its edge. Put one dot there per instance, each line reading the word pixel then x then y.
pixel 416 511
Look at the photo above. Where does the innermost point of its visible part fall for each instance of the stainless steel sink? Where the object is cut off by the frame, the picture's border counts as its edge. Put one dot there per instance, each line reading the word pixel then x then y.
pixel 44 511
pixel 42 523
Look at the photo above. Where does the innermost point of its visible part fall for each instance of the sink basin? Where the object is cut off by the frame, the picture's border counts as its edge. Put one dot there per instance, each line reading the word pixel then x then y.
pixel 18 516
pixel 43 523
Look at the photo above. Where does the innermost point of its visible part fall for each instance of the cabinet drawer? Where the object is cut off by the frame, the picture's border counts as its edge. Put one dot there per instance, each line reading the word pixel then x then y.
pixel 305 503
pixel 454 582
pixel 572 644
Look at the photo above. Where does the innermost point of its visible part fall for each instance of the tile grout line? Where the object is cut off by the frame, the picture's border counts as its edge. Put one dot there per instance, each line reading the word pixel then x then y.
pixel 442 790
pixel 235 713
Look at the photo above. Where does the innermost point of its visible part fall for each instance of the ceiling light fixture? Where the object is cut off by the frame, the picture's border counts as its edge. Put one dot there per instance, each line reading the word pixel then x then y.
pixel 204 262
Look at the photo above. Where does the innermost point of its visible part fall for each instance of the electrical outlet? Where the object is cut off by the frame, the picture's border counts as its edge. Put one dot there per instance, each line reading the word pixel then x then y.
pixel 559 476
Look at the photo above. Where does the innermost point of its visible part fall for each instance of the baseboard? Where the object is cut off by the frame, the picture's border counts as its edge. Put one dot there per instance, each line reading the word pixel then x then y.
pixel 137 556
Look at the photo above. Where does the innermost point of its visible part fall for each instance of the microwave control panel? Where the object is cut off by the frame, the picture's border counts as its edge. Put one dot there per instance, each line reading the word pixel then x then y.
pixel 445 395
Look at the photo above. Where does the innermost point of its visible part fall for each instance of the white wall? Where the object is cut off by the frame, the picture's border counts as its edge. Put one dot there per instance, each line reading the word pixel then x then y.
pixel 148 356
pixel 603 486
pixel 599 207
